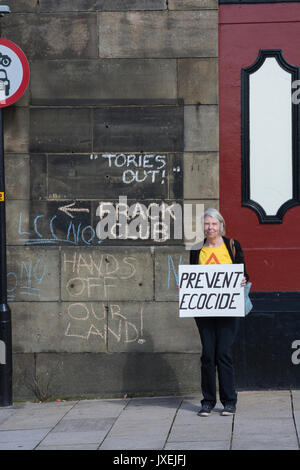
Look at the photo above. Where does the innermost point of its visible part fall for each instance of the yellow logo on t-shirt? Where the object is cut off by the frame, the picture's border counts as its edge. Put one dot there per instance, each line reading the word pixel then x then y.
pixel 216 255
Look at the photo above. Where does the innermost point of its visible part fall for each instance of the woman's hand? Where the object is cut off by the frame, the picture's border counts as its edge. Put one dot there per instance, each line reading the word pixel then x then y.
pixel 244 282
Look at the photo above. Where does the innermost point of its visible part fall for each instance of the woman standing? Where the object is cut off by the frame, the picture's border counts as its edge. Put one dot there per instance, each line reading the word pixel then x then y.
pixel 217 333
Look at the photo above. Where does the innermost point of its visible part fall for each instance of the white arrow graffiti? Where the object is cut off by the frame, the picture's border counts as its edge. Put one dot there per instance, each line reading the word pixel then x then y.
pixel 69 208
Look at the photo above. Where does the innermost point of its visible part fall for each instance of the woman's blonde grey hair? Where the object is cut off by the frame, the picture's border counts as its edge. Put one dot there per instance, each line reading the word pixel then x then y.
pixel 212 212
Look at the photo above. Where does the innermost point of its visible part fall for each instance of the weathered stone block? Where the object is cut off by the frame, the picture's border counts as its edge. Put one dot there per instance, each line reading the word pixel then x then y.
pixel 17 222
pixel 72 35
pixel 60 130
pixel 32 274
pixel 67 5
pixel 106 274
pixel 205 203
pixel 138 129
pixel 167 261
pixel 59 327
pixel 23 6
pixel 176 174
pixel 17 176
pixel 101 5
pixel 131 4
pixel 23 374
pixel 201 128
pixel 198 81
pixel 85 81
pixel 38 177
pixel 25 98
pixel 201 175
pixel 158 34
pixel 105 176
pixel 192 4
pixel 100 374
pixel 150 327
pixel 16 129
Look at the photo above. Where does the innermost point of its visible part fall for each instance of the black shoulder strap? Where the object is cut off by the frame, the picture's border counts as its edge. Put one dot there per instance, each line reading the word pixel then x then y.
pixel 232 247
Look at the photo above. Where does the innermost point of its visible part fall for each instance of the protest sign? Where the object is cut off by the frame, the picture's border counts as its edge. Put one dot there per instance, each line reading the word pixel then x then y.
pixel 211 290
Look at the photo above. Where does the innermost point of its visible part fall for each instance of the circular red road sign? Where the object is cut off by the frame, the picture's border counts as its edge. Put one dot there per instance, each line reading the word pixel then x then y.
pixel 14 72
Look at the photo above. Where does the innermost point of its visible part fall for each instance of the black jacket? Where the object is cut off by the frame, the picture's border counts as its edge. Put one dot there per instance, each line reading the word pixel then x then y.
pixel 238 259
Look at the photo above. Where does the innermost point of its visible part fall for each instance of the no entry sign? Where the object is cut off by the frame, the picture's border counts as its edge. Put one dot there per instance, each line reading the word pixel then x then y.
pixel 14 73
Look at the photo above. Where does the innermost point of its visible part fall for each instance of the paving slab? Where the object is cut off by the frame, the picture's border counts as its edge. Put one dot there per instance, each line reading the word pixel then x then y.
pixel 33 420
pixel 33 416
pixel 296 399
pixel 89 409
pixel 264 420
pixel 263 442
pixel 187 413
pixel 5 414
pixel 22 440
pixel 146 420
pixel 297 424
pixel 84 425
pixel 133 443
pixel 267 405
pixel 69 447
pixel 197 445
pixel 162 402
pixel 189 427
pixel 74 438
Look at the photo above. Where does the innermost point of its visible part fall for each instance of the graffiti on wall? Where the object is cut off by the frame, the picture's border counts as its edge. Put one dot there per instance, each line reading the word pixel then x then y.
pixel 104 321
pixel 89 281
pixel 95 275
pixel 26 279
pixel 138 168
pixel 157 222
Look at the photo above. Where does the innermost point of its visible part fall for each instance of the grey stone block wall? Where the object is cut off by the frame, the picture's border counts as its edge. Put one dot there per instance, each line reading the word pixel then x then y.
pixel 122 101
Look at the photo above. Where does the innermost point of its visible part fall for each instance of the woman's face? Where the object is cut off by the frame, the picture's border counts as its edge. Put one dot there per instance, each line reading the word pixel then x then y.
pixel 212 227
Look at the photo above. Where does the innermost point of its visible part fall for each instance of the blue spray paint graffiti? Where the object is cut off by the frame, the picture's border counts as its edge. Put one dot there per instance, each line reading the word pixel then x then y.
pixel 27 281
pixel 172 271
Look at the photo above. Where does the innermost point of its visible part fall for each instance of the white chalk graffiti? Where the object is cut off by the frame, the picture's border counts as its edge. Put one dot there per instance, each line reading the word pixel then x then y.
pixel 95 276
pixel 100 320
pixel 138 168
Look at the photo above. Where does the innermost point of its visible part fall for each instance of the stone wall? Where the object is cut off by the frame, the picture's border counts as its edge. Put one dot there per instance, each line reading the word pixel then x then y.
pixel 119 78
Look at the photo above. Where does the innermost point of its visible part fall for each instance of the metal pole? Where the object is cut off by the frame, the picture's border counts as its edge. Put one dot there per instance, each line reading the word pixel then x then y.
pixel 5 314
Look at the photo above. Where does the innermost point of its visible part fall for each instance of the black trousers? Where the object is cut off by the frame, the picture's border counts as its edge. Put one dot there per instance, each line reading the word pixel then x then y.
pixel 217 336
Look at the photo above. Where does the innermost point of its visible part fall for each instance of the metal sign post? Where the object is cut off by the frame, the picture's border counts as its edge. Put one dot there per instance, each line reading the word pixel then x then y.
pixel 14 78
pixel 5 314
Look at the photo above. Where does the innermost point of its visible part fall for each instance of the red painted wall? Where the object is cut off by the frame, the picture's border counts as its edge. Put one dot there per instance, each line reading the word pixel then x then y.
pixel 272 251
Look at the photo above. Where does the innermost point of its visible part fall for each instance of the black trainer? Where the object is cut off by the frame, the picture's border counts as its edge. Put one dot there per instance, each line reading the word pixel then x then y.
pixel 205 410
pixel 228 410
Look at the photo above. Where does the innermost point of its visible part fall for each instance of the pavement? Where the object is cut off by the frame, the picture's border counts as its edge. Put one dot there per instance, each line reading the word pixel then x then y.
pixel 265 420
